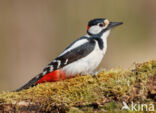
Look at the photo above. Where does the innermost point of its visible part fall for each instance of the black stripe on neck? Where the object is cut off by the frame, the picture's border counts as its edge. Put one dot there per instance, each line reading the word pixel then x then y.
pixel 97 37
pixel 100 42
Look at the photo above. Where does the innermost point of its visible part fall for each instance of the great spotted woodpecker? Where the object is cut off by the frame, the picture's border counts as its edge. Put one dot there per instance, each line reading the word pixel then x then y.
pixel 82 56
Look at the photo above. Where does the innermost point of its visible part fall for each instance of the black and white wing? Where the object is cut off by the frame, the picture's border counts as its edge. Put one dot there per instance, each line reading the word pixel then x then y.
pixel 77 50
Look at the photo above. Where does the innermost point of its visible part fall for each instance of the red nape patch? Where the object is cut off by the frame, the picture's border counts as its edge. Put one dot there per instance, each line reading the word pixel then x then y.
pixel 88 27
pixel 53 76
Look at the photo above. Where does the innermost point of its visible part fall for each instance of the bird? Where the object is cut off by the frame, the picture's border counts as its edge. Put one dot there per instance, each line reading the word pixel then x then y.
pixel 81 57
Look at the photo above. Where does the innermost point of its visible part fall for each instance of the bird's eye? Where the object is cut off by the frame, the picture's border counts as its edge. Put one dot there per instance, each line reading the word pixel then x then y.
pixel 101 24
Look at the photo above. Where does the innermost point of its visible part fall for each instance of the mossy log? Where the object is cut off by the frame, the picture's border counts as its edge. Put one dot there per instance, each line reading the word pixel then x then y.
pixel 82 94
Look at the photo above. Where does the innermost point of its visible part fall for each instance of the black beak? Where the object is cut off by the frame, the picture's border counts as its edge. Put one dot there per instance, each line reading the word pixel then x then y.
pixel 114 24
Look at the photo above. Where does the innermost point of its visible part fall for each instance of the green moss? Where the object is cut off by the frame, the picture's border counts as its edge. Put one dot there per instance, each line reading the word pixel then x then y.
pixel 83 93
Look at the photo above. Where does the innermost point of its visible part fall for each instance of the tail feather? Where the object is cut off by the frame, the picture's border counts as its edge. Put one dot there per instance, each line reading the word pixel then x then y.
pixel 31 83
pixel 40 78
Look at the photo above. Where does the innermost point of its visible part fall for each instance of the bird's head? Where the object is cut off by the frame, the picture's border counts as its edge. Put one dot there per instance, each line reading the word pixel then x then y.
pixel 100 25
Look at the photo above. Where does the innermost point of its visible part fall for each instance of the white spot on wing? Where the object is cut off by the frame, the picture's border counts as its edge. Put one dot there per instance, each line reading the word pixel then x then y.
pixel 59 63
pixel 51 68
pixel 66 61
pixel 44 72
pixel 37 76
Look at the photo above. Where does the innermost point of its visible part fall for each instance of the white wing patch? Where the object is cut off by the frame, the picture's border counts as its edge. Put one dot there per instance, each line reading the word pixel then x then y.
pixel 66 62
pixel 51 68
pixel 59 63
pixel 44 72
pixel 76 44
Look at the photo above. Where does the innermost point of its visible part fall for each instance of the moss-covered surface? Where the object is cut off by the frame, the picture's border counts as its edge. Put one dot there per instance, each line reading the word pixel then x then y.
pixel 87 94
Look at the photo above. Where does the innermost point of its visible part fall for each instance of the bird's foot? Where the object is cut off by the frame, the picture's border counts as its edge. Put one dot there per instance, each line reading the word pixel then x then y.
pixel 94 74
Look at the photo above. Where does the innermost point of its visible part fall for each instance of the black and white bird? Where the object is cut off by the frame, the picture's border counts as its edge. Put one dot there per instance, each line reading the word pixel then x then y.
pixel 80 57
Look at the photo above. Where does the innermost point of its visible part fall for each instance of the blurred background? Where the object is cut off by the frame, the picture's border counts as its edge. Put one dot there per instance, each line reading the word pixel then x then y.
pixel 33 32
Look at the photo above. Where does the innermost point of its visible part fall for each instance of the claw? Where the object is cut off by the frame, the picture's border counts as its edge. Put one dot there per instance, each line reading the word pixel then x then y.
pixel 95 75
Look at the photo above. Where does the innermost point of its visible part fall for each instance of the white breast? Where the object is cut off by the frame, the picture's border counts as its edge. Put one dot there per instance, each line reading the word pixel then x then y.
pixel 89 63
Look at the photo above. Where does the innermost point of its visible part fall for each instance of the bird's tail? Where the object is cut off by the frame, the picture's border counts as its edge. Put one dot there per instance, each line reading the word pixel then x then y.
pixel 40 78
pixel 31 83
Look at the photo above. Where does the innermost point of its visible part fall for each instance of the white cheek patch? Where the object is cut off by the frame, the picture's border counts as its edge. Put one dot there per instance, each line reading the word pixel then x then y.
pixel 95 29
